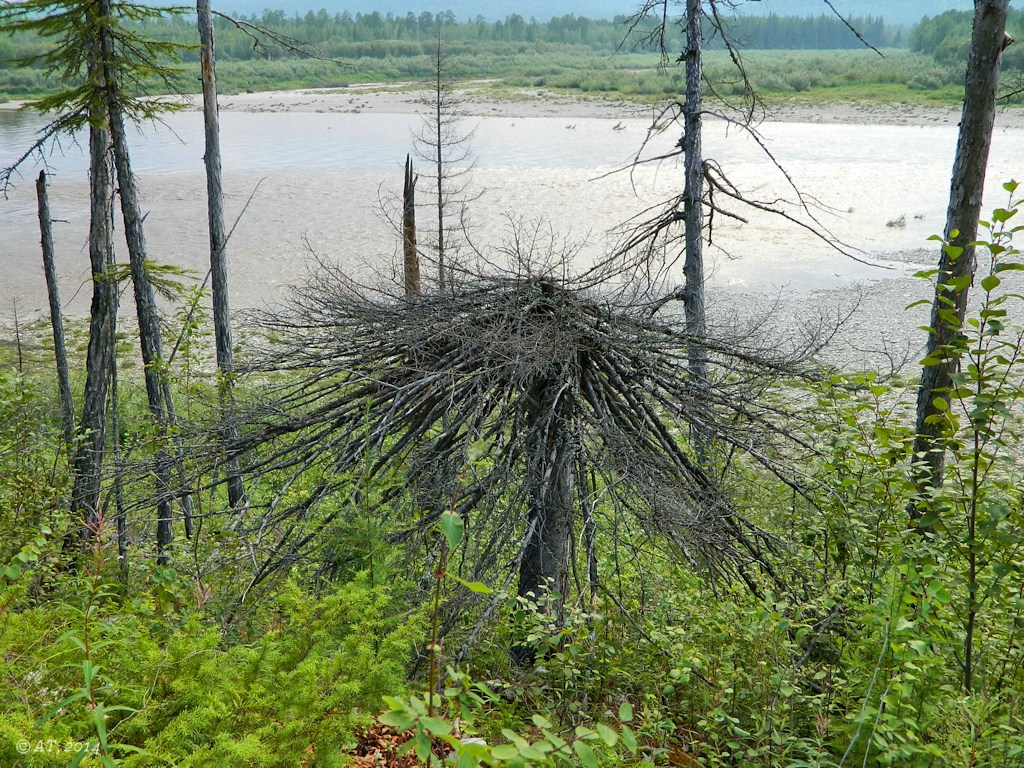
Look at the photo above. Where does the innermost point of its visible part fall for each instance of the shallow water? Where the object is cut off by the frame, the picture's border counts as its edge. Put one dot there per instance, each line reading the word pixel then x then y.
pixel 321 179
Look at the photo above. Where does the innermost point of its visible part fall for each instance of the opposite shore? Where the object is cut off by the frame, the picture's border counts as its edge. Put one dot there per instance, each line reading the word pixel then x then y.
pixel 404 98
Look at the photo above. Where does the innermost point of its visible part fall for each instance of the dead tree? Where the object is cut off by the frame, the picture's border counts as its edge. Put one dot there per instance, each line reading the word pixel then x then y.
pixel 107 65
pixel 218 233
pixel 694 305
pixel 410 257
pixel 444 145
pixel 145 297
pixel 707 191
pixel 957 258
pixel 60 351
pixel 534 405
pixel 99 363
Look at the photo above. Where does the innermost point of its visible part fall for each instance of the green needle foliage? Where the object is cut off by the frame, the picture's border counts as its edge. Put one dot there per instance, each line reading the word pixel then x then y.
pixel 71 30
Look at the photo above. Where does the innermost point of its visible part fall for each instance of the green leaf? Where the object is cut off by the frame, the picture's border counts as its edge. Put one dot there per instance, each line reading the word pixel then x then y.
pixel 990 283
pixel 422 744
pixel 474 586
pixel 99 719
pixel 629 739
pixel 920 646
pixel 505 752
pixel 586 755
pixel 69 700
pixel 532 754
pixel 400 721
pixel 452 527
pixel 436 725
pixel 608 736
pixel 625 712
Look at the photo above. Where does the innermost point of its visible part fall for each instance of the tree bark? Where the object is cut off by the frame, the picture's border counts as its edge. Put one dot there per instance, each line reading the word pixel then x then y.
pixel 60 351
pixel 693 211
pixel 965 198
pixel 89 448
pixel 410 258
pixel 145 296
pixel 545 563
pixel 218 237
pixel 438 116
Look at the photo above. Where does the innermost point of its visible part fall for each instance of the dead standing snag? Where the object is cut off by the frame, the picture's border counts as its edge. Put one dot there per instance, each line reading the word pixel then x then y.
pixel 554 406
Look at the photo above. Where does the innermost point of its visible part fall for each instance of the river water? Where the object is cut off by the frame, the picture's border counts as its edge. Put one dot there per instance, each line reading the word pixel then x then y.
pixel 320 180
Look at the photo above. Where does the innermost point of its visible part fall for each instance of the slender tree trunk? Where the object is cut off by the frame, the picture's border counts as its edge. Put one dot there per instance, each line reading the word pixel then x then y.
pixel 17 338
pixel 218 239
pixel 115 446
pixel 89 448
pixel 438 117
pixel 145 296
pixel 693 211
pixel 965 198
pixel 60 351
pixel 410 258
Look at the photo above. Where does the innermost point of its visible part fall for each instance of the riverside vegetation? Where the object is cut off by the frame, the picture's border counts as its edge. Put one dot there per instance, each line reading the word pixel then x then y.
pixel 754 573
pixel 807 59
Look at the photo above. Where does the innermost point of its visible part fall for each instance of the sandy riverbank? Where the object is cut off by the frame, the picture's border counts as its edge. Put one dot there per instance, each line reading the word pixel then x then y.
pixel 402 98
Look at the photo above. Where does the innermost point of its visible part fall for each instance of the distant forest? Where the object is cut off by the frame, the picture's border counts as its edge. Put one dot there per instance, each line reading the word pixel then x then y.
pixel 573 53
pixel 377 35
pixel 947 38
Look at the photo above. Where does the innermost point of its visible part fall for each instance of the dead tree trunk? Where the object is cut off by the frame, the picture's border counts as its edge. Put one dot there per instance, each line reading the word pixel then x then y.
pixel 120 512
pixel 89 448
pixel 438 116
pixel 693 212
pixel 218 237
pixel 60 351
pixel 545 563
pixel 145 296
pixel 410 258
pixel 965 197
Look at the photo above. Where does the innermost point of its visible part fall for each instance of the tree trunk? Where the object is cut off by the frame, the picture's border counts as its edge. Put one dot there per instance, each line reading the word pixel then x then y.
pixel 410 259
pixel 693 211
pixel 218 238
pixel 545 563
pixel 60 351
pixel 145 296
pixel 438 116
pixel 965 198
pixel 89 449
pixel 115 445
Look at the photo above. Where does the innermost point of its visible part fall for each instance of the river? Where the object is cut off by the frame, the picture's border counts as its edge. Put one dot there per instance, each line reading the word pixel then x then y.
pixel 319 179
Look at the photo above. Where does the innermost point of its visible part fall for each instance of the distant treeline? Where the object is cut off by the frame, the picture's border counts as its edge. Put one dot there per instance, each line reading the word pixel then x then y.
pixel 947 37
pixel 378 35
